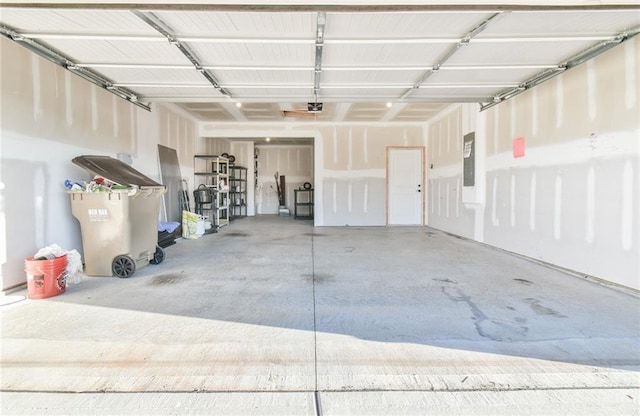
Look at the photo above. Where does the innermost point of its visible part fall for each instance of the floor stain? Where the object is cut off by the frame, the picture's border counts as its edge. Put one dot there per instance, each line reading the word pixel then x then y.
pixel 235 234
pixel 314 235
pixel 446 281
pixel 497 330
pixel 524 281
pixel 543 310
pixel 167 279
pixel 319 277
pixel 349 249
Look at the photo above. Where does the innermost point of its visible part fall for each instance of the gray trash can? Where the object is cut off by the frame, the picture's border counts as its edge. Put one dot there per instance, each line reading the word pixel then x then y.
pixel 119 227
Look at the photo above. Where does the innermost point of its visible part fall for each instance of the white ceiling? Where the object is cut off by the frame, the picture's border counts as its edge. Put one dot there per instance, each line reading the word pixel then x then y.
pixel 367 64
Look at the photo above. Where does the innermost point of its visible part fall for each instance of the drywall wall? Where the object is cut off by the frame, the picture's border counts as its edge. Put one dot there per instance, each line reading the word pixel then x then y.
pixel 295 163
pixel 349 164
pixel 573 198
pixel 47 117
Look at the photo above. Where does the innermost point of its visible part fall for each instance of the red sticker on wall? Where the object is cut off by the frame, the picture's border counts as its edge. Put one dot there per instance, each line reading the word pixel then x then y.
pixel 518 147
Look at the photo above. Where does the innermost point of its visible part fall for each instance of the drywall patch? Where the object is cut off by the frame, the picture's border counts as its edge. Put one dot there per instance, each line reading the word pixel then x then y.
pixel 557 209
pixel 627 207
pixel 591 206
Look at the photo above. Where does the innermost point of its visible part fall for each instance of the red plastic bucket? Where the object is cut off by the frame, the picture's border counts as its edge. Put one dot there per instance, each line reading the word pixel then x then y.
pixel 46 278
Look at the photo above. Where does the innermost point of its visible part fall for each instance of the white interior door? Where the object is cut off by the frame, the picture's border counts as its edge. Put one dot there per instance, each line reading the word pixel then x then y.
pixel 405 191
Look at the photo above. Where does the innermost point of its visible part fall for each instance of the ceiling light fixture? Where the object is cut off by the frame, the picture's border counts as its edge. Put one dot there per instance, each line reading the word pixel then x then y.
pixel 268 139
pixel 238 104
pixel 389 105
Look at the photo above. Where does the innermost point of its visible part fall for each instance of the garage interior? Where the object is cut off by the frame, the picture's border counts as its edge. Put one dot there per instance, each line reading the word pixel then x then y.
pixel 504 282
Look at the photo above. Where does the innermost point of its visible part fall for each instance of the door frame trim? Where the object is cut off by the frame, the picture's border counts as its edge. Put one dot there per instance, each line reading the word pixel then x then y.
pixel 424 182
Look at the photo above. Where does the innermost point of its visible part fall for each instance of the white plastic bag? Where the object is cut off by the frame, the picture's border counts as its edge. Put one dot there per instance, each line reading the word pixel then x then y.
pixel 74 266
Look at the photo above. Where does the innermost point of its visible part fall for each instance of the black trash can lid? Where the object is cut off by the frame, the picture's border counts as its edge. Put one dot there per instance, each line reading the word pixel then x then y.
pixel 114 170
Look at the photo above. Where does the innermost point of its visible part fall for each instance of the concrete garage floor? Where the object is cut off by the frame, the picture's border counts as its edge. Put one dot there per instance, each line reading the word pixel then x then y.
pixel 271 316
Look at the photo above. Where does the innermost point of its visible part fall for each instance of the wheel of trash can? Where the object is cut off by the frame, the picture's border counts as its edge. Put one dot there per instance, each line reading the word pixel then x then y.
pixel 123 266
pixel 158 256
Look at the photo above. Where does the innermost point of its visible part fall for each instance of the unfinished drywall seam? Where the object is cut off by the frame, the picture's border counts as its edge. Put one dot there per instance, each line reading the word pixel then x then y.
pixel 39 197
pixel 591 206
pixel 630 71
pixel 35 81
pixel 512 117
pixel 458 194
pixel 114 115
pixel 557 209
pixel 94 107
pixel 532 202
pixel 534 112
pixel 512 200
pixel 365 203
pixel 68 101
pixel 439 198
pixel 496 130
pixel 335 145
pixel 494 203
pixel 350 149
pixel 559 101
pixel 447 196
pixel 432 193
pixel 133 130
pixel 335 196
pixel 592 90
pixel 365 145
pixel 627 207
